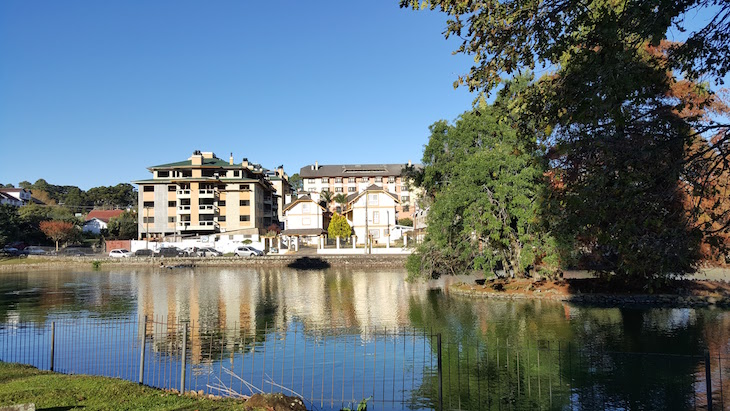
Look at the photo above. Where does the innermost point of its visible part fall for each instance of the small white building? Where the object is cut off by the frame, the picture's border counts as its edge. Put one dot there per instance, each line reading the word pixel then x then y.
pixel 379 207
pixel 15 196
pixel 98 220
pixel 306 219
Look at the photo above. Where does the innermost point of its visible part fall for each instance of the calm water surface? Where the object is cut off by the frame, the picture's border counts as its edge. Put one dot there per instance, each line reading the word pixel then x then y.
pixel 366 301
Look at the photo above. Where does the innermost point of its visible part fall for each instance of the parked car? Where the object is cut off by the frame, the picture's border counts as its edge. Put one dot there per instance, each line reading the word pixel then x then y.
pixel 71 251
pixel 11 252
pixel 208 252
pixel 144 252
pixel 33 250
pixel 247 251
pixel 169 252
pixel 120 253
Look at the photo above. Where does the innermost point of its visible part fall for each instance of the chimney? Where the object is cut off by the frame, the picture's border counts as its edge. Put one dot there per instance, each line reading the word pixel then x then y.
pixel 316 165
pixel 244 163
pixel 197 158
pixel 409 163
pixel 230 159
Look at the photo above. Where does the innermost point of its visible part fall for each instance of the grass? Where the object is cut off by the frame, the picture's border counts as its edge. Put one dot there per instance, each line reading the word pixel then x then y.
pixel 21 261
pixel 22 384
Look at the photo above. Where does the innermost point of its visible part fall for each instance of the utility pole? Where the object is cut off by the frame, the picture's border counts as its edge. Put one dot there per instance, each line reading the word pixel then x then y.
pixel 147 228
pixel 367 231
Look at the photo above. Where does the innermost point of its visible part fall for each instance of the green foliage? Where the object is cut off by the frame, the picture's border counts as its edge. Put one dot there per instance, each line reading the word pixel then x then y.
pixel 124 226
pixel 9 224
pixel 486 187
pixel 606 120
pixel 339 227
pixel 296 182
pixel 362 406
pixel 326 198
pixel 96 265
pixel 405 222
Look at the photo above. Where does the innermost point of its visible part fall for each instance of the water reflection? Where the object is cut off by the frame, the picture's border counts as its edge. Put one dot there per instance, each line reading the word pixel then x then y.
pixel 529 354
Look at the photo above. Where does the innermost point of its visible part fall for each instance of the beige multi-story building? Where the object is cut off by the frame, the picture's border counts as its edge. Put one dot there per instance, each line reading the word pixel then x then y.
pixel 349 179
pixel 206 195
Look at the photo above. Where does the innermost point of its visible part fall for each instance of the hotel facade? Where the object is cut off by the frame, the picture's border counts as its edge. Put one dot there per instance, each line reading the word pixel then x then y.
pixel 206 195
pixel 349 179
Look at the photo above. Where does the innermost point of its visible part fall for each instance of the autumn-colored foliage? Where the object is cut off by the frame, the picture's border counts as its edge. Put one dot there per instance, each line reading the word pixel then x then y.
pixel 57 230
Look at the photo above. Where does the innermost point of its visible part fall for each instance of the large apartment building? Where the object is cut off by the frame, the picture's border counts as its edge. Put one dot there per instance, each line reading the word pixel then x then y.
pixel 354 178
pixel 206 195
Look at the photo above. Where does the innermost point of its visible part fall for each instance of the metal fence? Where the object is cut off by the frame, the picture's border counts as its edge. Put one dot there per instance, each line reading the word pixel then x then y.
pixel 392 369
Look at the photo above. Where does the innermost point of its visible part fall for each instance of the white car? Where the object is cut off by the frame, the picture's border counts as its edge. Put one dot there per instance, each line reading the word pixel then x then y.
pixel 247 251
pixel 120 253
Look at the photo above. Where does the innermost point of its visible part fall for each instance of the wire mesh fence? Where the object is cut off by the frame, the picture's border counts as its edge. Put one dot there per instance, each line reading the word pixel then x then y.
pixel 392 369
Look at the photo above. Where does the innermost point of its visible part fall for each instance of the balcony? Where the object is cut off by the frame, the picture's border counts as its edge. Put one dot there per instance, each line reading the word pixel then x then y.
pixel 206 209
pixel 200 226
pixel 206 193
pixel 182 208
pixel 183 193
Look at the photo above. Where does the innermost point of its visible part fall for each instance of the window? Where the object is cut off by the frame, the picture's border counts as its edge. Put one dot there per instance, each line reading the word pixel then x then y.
pixel 351 180
pixel 163 174
pixel 338 179
pixel 147 204
pixel 172 203
pixel 148 189
pixel 148 220
pixel 310 181
pixel 351 189
pixel 244 187
pixel 222 218
pixel 171 188
pixel 221 203
pixel 312 190
pixel 306 221
pixel 375 233
pixel 237 173
pixel 325 180
pixel 372 199
pixel 404 199
pixel 406 208
pixel 338 189
pixel 170 219
pixel 376 217
pixel 391 179
pixel 305 207
pixel 244 218
pixel 244 203
pixel 403 188
pixel 364 179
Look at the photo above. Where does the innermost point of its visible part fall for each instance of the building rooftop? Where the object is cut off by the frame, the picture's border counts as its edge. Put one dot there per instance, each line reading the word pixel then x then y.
pixel 352 170
pixel 103 215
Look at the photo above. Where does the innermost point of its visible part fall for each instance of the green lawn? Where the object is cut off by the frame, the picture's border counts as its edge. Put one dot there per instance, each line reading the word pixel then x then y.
pixel 21 261
pixel 21 384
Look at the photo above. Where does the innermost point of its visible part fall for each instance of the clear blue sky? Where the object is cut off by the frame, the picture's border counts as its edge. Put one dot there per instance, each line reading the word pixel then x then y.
pixel 93 92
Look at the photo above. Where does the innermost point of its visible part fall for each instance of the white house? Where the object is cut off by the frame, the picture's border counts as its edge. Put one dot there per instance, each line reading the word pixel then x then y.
pixel 379 206
pixel 15 196
pixel 98 220
pixel 306 219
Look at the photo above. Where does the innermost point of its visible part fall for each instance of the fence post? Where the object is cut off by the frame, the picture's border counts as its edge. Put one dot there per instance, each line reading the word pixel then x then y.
pixel 53 343
pixel 708 380
pixel 440 372
pixel 183 359
pixel 141 353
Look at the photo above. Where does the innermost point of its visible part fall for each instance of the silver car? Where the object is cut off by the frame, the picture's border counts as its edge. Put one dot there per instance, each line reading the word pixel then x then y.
pixel 247 251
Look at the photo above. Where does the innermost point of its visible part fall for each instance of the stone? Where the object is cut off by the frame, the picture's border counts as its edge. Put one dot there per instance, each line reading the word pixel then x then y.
pixel 18 407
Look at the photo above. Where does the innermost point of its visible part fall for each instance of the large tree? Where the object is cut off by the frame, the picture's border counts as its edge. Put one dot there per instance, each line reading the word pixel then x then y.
pixel 486 187
pixel 616 142
pixel 124 226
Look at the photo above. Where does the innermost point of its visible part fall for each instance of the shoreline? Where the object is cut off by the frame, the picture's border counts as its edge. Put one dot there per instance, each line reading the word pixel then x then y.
pixel 690 294
pixel 292 261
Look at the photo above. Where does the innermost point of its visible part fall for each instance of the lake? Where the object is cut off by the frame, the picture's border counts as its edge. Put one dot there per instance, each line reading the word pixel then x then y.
pixel 340 335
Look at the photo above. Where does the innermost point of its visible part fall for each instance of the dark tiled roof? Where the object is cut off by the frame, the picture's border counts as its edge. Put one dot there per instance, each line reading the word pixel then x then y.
pixel 300 199
pixel 353 170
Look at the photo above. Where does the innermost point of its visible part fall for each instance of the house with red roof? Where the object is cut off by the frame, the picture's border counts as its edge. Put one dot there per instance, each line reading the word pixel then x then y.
pixel 98 220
